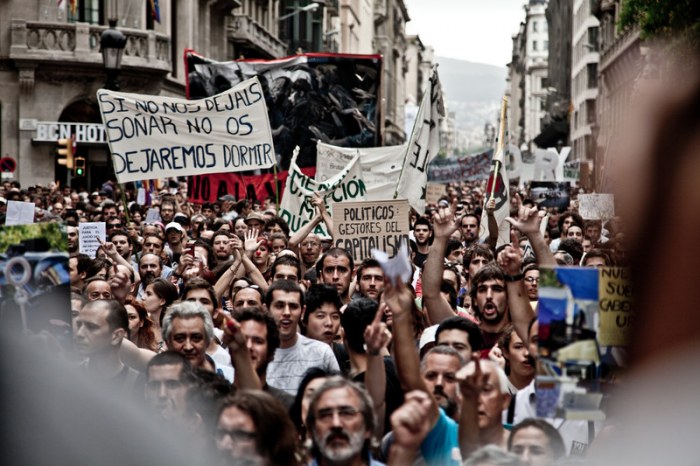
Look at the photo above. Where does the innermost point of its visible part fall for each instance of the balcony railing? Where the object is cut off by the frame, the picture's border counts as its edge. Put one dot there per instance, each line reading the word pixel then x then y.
pixel 244 29
pixel 80 43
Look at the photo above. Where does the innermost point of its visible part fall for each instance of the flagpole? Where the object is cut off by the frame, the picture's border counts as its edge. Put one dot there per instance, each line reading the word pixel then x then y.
pixel 500 145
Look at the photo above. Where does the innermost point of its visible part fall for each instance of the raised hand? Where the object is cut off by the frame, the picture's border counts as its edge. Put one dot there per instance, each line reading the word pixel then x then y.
pixel 444 223
pixel 251 243
pixel 528 221
pixel 377 335
pixel 511 257
pixel 411 422
pixel 399 298
pixel 233 338
pixel 471 379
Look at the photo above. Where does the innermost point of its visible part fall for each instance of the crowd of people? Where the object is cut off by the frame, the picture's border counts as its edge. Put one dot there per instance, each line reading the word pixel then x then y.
pixel 278 348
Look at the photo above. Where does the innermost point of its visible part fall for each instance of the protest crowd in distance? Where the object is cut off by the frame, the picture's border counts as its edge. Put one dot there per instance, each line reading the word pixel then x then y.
pixel 336 320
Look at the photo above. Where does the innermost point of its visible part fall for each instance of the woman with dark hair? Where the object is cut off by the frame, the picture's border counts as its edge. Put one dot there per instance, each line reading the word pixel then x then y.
pixel 140 325
pixel 254 425
pixel 313 379
pixel 158 295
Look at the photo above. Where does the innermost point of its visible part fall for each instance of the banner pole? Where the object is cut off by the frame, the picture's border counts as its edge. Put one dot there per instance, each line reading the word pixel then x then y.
pixel 500 144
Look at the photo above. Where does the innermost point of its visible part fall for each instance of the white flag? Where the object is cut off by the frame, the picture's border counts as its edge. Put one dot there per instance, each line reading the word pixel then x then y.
pixel 423 146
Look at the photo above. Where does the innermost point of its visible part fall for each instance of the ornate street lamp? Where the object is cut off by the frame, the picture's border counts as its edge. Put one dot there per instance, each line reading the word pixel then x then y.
pixel 112 43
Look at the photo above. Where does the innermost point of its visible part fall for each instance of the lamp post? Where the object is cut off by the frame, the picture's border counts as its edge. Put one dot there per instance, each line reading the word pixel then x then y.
pixel 310 7
pixel 112 43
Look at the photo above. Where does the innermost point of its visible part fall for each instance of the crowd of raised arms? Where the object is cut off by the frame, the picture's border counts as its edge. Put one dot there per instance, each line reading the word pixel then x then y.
pixel 281 349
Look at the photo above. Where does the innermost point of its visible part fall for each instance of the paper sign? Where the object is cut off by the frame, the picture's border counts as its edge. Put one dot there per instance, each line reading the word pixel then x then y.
pixel 596 206
pixel 615 306
pixel 88 234
pixel 141 196
pixel 152 216
pixel 397 268
pixel 433 192
pixel 158 137
pixel 363 226
pixel 19 213
pixel 550 194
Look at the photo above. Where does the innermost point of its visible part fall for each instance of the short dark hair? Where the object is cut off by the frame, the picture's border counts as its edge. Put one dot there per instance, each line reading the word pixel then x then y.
pixel 287 286
pixel 84 263
pixel 116 317
pixel 556 443
pixel 260 316
pixel 577 219
pixel 277 221
pixel 172 358
pixel 120 232
pixel 355 319
pixel 286 259
pixel 573 248
pixel 366 264
pixel 597 252
pixel 474 336
pixel 333 252
pixel 198 283
pixel 423 221
pixel 318 295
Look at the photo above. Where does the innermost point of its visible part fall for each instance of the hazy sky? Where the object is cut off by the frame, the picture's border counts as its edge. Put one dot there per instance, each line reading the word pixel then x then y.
pixel 474 30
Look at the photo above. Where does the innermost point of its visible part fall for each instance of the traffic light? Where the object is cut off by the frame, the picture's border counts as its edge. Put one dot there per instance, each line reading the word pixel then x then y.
pixel 65 152
pixel 79 166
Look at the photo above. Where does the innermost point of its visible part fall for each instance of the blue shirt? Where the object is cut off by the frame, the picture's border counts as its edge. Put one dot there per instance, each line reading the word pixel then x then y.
pixel 441 446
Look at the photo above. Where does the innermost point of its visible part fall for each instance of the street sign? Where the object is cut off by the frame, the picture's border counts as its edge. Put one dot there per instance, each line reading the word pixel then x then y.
pixel 8 165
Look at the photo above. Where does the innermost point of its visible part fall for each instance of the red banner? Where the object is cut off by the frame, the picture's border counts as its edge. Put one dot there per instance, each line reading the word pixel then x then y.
pixel 209 188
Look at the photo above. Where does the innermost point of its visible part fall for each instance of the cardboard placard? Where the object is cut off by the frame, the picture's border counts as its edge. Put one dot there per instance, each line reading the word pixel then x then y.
pixel 19 213
pixel 433 192
pixel 360 227
pixel 615 296
pixel 596 206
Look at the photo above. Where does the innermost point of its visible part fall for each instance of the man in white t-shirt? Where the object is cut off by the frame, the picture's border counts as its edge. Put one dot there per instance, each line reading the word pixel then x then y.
pixel 296 353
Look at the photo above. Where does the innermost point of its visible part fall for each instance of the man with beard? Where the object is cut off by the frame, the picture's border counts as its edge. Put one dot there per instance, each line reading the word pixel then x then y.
pixel 150 268
pixel 423 233
pixel 469 227
pixel 490 302
pixel 335 269
pixel 370 279
pixel 341 421
pixel 73 244
pixel 310 249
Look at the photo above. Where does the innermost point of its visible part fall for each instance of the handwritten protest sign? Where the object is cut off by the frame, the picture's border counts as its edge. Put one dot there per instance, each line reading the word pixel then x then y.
pixel 615 306
pixel 157 137
pixel 19 213
pixel 363 226
pixel 296 208
pixel 596 206
pixel 89 234
pixel 433 192
pixel 381 166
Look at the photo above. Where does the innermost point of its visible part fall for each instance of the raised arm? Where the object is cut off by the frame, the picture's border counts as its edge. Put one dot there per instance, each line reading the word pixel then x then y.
pixel 377 337
pixel 471 382
pixel 521 313
pixel 246 378
pixel 305 230
pixel 444 225
pixel 528 223
pixel 401 302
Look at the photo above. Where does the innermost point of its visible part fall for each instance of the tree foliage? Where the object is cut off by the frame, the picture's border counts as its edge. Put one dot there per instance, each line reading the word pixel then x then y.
pixel 678 20
pixel 52 232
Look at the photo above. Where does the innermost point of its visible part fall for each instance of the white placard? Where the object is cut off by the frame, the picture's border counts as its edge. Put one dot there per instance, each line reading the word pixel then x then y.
pixel 88 234
pixel 19 213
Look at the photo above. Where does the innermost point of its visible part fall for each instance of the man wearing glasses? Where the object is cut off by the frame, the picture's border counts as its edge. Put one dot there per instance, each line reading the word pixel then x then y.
pixel 341 420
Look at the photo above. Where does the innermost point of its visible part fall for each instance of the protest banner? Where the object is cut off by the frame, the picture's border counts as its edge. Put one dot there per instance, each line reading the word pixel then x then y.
pixel 158 137
pixel 310 97
pixel 209 188
pixel 89 236
pixel 457 169
pixel 296 208
pixel 380 166
pixel 360 227
pixel 19 213
pixel 615 294
pixel 551 194
pixel 423 146
pixel 596 206
pixel 433 192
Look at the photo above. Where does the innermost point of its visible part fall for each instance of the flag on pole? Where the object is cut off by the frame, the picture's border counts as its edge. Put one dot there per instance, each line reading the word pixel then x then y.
pixel 498 188
pixel 72 4
pixel 423 146
pixel 155 10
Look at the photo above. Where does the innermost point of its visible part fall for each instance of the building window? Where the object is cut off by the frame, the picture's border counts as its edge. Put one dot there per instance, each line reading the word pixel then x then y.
pixel 592 71
pixel 545 45
pixel 534 26
pixel 590 111
pixel 87 11
pixel 534 46
pixel 593 38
